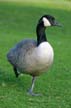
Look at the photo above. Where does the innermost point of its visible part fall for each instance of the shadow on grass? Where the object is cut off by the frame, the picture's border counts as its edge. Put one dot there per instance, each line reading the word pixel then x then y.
pixel 9 80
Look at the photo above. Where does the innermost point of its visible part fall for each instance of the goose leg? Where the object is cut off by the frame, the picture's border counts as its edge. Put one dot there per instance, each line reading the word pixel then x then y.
pixel 32 87
pixel 16 73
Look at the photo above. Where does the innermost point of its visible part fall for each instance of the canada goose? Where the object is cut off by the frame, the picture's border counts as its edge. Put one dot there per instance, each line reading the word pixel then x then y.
pixel 33 57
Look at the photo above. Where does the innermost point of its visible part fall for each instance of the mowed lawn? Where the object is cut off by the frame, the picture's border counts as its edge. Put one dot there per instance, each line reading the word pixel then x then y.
pixel 17 22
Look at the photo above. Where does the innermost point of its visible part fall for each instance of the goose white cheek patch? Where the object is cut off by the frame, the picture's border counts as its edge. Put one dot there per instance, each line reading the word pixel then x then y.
pixel 46 22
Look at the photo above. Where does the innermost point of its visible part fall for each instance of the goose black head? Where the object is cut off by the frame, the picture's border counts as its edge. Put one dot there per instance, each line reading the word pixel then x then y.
pixel 48 20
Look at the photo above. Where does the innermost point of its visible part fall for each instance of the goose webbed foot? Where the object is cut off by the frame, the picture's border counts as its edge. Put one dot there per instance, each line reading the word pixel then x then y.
pixel 33 94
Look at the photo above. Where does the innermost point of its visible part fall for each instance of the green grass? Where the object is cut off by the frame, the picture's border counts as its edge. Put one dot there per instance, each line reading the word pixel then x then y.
pixel 18 21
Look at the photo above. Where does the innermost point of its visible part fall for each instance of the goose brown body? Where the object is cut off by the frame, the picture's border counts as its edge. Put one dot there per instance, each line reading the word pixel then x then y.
pixel 30 59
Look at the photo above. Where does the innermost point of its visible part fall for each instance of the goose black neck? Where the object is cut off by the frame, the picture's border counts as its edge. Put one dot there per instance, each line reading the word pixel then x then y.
pixel 41 36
